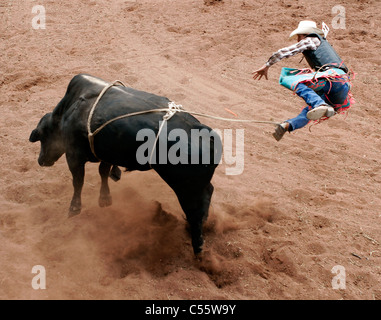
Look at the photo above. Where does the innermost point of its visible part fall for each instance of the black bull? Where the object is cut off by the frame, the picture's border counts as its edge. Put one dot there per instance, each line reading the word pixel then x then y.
pixel 65 131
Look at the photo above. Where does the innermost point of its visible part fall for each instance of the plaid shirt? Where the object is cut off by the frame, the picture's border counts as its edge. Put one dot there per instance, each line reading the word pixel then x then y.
pixel 309 43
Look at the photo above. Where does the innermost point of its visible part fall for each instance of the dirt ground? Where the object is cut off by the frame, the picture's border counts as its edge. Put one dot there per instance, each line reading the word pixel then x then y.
pixel 300 207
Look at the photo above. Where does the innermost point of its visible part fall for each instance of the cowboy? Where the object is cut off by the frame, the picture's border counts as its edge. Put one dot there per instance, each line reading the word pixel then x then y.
pixel 325 88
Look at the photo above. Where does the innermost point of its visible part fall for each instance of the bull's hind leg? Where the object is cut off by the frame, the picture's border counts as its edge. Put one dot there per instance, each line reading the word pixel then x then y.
pixel 195 203
pixel 105 198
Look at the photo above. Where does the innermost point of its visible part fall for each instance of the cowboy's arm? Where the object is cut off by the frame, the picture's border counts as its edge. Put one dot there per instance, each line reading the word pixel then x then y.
pixel 305 44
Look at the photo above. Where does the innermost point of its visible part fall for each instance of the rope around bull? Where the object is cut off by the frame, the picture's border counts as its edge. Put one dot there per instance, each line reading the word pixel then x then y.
pixel 170 112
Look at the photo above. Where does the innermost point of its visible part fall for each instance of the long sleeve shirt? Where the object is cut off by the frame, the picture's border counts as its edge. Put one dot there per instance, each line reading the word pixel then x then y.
pixel 309 43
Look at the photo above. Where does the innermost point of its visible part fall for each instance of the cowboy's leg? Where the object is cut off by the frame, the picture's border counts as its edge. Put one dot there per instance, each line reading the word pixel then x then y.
pixel 313 100
pixel 309 95
pixel 299 121
pixel 335 93
pixel 319 102
pixel 289 125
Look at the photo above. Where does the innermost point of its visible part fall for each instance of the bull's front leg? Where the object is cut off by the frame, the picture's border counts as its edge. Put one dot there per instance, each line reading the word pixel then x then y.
pixel 77 170
pixel 105 199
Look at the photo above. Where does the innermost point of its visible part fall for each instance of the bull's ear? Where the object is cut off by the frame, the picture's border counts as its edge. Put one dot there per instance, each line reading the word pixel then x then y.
pixel 34 136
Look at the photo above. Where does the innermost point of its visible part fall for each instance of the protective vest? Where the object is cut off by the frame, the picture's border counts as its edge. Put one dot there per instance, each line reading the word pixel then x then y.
pixel 324 55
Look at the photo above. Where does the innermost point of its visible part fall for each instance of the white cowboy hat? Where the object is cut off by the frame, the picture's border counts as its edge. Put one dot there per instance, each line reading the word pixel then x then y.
pixel 307 27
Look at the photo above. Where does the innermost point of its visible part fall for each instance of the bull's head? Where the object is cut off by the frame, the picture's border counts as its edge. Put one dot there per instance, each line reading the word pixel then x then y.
pixel 49 134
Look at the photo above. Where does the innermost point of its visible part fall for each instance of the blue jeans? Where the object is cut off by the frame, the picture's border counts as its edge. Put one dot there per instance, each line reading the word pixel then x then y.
pixel 330 93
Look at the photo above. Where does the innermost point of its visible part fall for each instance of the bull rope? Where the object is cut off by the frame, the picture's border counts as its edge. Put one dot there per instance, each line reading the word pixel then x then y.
pixel 170 112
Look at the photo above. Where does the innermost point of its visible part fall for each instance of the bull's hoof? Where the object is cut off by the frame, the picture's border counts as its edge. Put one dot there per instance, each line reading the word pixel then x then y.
pixel 105 201
pixel 197 244
pixel 115 173
pixel 199 256
pixel 73 211
pixel 197 250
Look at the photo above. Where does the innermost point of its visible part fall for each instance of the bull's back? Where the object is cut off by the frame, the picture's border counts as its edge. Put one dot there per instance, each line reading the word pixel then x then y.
pixel 117 142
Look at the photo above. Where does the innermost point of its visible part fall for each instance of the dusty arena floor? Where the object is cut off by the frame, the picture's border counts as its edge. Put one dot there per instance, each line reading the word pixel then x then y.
pixel 301 207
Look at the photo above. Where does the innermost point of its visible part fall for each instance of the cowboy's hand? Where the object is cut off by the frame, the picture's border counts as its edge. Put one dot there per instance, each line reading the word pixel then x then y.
pixel 258 74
